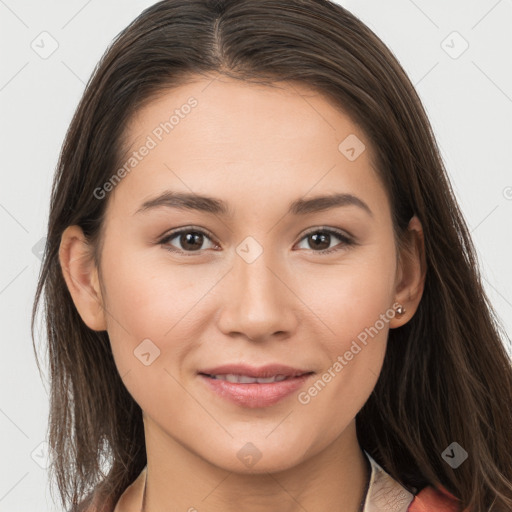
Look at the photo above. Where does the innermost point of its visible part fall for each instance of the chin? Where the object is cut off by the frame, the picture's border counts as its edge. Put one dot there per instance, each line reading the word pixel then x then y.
pixel 258 457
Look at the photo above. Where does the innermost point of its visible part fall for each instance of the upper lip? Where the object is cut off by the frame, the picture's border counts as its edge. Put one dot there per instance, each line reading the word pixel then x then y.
pixel 262 372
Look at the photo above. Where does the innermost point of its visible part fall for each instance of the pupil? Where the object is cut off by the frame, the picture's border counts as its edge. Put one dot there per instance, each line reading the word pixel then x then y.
pixel 316 237
pixel 189 240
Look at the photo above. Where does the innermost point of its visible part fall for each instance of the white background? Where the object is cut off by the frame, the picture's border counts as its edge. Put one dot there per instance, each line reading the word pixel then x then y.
pixel 468 99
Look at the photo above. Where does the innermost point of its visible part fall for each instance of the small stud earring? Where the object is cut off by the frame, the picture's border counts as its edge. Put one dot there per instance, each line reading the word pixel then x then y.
pixel 400 310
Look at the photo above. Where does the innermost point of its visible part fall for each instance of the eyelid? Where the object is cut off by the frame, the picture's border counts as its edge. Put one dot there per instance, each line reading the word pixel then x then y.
pixel 327 229
pixel 186 229
pixel 347 239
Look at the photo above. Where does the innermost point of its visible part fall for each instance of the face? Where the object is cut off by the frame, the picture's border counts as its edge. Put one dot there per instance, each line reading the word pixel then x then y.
pixel 262 275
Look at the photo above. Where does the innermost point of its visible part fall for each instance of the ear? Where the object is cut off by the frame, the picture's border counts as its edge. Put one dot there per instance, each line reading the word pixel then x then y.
pixel 412 269
pixel 81 276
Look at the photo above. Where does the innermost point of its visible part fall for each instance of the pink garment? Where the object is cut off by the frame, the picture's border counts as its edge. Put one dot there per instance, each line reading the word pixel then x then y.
pixel 431 499
pixel 385 494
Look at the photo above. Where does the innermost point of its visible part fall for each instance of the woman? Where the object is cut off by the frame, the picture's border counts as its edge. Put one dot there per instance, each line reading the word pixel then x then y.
pixel 327 342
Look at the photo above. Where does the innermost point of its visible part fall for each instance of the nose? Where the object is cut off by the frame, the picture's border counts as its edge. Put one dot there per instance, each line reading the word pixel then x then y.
pixel 257 300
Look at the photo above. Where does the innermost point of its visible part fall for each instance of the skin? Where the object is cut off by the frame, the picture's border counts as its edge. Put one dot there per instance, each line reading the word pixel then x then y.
pixel 258 148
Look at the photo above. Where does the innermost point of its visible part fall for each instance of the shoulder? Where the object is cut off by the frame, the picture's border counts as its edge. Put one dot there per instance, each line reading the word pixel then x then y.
pixel 97 507
pixel 129 501
pixel 431 499
pixel 93 503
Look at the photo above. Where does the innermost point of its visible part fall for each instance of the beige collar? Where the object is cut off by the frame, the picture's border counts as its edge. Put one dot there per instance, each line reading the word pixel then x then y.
pixel 384 492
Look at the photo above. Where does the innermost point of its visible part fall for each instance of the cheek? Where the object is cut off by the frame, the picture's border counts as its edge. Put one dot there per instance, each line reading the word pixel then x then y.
pixel 146 294
pixel 354 303
pixel 142 303
pixel 148 327
pixel 353 296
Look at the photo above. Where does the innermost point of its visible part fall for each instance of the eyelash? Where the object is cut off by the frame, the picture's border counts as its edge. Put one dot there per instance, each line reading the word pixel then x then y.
pixel 346 241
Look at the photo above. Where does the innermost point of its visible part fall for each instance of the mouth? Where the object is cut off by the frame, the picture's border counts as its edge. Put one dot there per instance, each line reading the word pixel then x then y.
pixel 253 387
pixel 269 371
pixel 246 379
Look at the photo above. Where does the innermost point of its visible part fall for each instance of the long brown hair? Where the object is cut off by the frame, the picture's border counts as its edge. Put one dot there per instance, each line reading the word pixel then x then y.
pixel 446 375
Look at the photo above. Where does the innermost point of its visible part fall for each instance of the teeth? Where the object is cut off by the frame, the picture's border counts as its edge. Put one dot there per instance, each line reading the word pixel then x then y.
pixel 244 379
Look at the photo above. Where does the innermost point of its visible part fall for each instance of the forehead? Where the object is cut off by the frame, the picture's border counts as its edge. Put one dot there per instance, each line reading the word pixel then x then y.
pixel 222 135
pixel 233 113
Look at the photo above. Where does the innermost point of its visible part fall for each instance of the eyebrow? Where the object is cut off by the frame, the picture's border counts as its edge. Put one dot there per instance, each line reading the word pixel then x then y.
pixel 186 201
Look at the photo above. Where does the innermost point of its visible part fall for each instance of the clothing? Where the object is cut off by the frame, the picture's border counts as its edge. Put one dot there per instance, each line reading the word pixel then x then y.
pixel 385 494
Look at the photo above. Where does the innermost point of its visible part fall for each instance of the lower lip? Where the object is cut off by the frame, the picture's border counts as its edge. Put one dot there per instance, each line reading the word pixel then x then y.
pixel 255 395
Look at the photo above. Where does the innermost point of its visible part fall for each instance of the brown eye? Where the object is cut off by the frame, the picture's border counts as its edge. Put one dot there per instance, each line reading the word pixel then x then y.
pixel 320 240
pixel 191 240
pixel 188 240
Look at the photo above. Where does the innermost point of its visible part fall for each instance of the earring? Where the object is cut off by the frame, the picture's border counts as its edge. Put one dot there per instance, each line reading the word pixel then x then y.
pixel 400 310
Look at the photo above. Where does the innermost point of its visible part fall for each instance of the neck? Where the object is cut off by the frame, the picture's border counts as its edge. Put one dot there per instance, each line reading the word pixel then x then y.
pixel 338 474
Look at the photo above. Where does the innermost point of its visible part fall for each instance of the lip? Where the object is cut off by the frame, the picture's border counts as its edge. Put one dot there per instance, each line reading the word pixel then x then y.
pixel 255 395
